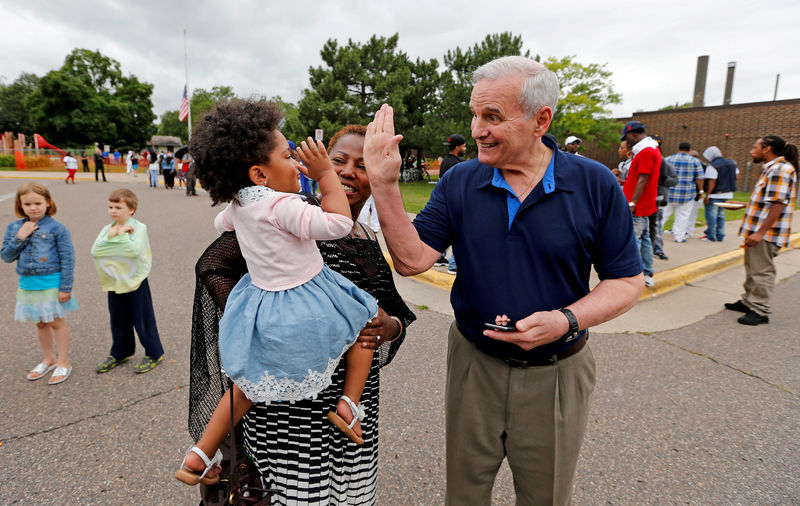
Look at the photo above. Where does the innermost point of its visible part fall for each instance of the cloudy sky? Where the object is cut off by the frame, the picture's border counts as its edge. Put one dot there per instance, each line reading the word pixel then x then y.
pixel 266 47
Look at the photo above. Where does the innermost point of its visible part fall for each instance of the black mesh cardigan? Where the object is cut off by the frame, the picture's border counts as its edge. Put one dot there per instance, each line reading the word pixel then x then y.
pixel 219 269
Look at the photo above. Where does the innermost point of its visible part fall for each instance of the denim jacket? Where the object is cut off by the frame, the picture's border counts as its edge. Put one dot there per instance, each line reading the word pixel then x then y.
pixel 47 251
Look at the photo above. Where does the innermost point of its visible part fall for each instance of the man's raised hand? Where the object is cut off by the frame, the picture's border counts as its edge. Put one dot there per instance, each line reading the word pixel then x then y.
pixel 381 152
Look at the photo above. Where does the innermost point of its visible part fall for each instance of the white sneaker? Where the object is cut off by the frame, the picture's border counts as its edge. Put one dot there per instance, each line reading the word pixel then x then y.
pixel 649 281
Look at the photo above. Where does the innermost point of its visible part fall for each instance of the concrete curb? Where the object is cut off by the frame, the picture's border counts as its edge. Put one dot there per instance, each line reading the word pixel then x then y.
pixel 674 278
pixel 665 281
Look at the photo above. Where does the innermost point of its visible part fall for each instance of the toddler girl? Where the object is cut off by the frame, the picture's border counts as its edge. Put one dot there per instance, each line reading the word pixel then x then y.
pixel 45 263
pixel 290 319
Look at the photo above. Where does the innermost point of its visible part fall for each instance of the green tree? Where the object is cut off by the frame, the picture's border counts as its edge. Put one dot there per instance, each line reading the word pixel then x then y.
pixel 582 110
pixel 292 128
pixel 168 124
pixel 14 116
pixel 89 100
pixel 357 78
pixel 204 100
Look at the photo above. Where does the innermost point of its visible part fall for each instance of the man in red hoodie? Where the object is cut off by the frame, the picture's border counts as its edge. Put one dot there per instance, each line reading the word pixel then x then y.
pixel 641 189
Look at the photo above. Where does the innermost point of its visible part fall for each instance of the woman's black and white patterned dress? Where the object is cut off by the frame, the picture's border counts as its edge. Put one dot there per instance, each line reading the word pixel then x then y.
pixel 294 447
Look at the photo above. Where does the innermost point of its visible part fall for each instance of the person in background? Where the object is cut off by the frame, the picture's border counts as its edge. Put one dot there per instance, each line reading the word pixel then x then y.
pixel 168 169
pixel 682 196
pixel 99 167
pixel 625 156
pixel 641 189
pixel 71 164
pixel 572 144
pixel 458 147
pixel 85 161
pixel 766 226
pixel 191 181
pixel 128 165
pixel 720 180
pixel 667 178
pixel 154 165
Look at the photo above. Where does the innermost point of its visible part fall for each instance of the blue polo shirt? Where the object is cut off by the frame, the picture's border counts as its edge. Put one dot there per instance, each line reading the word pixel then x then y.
pixel 537 257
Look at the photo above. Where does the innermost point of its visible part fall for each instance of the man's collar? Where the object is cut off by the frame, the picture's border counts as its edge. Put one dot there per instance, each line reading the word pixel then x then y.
pixel 772 162
pixel 556 174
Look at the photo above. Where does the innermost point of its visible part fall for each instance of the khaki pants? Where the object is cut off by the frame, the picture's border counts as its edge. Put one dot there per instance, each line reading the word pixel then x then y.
pixel 536 417
pixel 759 276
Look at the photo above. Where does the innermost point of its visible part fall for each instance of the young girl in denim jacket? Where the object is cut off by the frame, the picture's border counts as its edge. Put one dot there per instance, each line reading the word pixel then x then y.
pixel 45 259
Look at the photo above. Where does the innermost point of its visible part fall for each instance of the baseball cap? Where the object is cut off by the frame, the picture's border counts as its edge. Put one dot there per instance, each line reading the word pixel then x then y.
pixel 632 126
pixel 455 140
pixel 572 139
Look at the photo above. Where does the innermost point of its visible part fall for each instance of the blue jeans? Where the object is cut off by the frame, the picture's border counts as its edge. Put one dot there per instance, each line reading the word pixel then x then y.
pixel 451 264
pixel 715 218
pixel 642 234
pixel 153 177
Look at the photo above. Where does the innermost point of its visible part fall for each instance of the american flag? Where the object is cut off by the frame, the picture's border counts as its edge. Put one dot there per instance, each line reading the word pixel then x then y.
pixel 184 106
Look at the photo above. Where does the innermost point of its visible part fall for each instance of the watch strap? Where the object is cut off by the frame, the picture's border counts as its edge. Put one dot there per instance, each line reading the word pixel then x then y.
pixel 573 322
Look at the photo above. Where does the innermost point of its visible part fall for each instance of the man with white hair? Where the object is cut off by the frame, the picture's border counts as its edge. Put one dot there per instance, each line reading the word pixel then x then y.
pixel 527 222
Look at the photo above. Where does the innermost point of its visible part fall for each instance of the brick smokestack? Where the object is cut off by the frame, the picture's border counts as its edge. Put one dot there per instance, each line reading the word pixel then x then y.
pixel 700 81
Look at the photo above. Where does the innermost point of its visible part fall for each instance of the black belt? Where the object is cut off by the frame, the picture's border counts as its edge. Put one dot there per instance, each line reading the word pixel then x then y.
pixel 545 361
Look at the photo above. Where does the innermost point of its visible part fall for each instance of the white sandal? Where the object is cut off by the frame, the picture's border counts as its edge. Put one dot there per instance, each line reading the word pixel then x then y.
pixel 40 370
pixel 62 373
pixel 358 414
pixel 190 477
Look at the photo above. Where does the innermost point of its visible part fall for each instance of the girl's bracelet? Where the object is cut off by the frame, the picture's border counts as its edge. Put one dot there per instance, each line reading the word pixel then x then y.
pixel 400 325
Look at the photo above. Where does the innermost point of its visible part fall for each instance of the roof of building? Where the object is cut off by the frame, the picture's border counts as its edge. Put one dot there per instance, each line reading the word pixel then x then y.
pixel 165 140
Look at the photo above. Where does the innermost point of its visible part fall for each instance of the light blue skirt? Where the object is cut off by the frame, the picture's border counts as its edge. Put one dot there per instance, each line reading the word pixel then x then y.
pixel 42 305
pixel 285 345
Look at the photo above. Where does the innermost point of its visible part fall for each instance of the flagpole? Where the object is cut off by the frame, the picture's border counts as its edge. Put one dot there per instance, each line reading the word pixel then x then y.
pixel 186 68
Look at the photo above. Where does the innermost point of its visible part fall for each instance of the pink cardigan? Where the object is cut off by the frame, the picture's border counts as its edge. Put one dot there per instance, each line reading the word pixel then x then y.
pixel 277 237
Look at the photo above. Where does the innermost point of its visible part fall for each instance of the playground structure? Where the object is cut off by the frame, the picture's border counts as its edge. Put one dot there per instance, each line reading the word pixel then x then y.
pixel 34 152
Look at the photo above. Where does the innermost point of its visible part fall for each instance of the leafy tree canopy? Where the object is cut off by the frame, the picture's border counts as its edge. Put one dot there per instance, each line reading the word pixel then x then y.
pixel 204 100
pixel 357 78
pixel 89 100
pixel 582 110
pixel 14 116
pixel 168 124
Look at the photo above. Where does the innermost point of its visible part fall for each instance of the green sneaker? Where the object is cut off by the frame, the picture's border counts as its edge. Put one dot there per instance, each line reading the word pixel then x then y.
pixel 109 363
pixel 146 364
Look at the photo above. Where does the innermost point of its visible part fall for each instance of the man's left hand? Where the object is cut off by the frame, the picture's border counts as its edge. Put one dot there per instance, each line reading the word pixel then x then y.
pixel 536 330
pixel 753 239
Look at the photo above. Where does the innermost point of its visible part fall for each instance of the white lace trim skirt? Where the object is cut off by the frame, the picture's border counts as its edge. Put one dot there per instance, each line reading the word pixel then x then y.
pixel 285 345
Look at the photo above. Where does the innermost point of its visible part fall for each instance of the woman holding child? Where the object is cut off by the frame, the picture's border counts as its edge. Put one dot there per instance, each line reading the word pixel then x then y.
pixel 287 441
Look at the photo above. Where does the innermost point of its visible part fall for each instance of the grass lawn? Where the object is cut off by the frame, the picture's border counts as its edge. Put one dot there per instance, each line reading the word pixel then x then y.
pixel 416 194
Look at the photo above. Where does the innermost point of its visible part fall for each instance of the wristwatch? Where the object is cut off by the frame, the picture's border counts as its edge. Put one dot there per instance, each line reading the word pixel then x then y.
pixel 573 331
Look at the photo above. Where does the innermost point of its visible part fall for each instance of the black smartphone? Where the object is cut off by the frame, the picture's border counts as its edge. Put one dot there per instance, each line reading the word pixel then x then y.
pixel 511 326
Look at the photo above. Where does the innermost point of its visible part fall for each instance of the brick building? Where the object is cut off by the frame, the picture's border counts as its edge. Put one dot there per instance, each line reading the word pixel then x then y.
pixel 732 128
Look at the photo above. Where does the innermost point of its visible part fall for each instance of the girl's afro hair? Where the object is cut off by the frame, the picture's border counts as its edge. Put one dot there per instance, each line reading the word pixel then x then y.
pixel 229 140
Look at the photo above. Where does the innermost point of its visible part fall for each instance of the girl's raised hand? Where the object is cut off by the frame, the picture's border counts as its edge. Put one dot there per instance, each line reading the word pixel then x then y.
pixel 315 158
pixel 26 229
